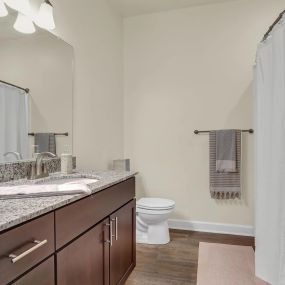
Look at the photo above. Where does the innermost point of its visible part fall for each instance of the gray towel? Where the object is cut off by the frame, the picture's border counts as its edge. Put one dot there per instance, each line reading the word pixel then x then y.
pixel 226 151
pixel 45 142
pixel 225 185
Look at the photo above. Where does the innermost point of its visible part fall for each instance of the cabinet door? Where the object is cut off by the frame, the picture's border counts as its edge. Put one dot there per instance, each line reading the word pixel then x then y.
pixel 85 260
pixel 123 247
pixel 43 274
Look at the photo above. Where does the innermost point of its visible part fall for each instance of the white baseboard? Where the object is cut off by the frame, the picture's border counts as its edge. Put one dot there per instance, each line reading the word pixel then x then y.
pixel 211 227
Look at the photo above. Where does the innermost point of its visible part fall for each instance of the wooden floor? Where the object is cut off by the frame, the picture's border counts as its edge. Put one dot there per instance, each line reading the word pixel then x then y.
pixel 177 262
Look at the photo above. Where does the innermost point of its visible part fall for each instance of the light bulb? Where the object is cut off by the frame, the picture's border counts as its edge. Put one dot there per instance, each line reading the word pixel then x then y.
pixel 24 24
pixel 14 4
pixel 3 9
pixel 45 17
pixel 22 6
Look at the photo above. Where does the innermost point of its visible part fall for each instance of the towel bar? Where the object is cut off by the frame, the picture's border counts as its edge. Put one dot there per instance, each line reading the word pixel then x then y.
pixel 56 134
pixel 196 132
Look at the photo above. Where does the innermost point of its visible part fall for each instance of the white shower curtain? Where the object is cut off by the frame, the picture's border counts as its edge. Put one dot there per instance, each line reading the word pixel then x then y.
pixel 270 157
pixel 13 121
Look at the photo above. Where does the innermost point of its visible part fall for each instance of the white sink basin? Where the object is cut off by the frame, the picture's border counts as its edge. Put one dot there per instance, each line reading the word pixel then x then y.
pixel 64 179
pixel 61 181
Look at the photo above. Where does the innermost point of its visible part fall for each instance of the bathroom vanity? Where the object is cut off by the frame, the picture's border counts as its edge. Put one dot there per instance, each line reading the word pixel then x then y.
pixel 71 239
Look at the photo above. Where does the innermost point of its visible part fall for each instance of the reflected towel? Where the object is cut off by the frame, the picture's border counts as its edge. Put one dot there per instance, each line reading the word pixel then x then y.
pixel 45 142
pixel 23 191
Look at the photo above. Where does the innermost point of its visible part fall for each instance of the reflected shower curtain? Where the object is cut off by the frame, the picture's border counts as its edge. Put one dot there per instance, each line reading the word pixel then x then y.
pixel 270 157
pixel 13 122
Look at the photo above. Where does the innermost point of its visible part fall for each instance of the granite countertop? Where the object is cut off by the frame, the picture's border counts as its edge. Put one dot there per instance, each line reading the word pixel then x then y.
pixel 16 211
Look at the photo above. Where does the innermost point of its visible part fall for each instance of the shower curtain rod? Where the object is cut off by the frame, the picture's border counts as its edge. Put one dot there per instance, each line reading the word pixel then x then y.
pixel 272 26
pixel 27 90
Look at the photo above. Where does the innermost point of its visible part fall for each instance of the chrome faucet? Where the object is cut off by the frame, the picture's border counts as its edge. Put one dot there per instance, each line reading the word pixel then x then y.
pixel 38 168
pixel 15 153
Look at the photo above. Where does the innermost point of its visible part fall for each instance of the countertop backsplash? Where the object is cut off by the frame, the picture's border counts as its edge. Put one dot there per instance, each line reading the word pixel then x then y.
pixel 19 169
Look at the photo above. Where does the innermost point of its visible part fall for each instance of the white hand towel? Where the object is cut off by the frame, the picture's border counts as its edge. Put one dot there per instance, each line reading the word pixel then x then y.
pixel 71 188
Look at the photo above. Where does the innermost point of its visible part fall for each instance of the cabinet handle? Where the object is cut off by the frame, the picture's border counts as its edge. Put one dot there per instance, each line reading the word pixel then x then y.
pixel 110 241
pixel 116 227
pixel 38 244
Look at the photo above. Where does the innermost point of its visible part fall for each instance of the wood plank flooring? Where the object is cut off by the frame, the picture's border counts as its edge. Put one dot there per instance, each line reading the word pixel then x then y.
pixel 177 262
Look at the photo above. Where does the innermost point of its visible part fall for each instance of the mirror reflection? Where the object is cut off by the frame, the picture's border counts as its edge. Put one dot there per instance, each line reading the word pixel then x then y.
pixel 36 84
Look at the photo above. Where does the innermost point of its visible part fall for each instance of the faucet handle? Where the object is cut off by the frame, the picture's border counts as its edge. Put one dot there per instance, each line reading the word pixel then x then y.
pixel 45 169
pixel 32 171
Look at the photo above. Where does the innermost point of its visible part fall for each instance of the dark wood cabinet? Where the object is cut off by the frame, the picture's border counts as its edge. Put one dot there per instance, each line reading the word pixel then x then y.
pixel 85 259
pixel 25 246
pixel 91 210
pixel 123 249
pixel 91 241
pixel 43 274
pixel 104 255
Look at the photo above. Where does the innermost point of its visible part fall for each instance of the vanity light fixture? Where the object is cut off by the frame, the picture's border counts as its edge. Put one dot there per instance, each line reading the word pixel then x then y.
pixel 22 6
pixel 45 18
pixel 14 4
pixel 24 24
pixel 3 9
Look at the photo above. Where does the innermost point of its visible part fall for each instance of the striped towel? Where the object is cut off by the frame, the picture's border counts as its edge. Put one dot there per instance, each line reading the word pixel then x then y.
pixel 225 185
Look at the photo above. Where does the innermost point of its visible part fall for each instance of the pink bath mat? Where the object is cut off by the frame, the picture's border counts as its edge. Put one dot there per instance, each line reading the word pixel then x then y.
pixel 221 264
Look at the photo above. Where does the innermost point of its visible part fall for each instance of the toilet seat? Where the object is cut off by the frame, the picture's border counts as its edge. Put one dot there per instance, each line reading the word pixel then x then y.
pixel 154 212
pixel 155 204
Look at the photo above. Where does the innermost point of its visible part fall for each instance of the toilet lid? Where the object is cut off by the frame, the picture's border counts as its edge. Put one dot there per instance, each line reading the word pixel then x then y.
pixel 155 203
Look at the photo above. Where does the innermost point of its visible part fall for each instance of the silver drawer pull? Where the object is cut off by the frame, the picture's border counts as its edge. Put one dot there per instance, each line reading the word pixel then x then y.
pixel 116 227
pixel 117 234
pixel 110 241
pixel 15 258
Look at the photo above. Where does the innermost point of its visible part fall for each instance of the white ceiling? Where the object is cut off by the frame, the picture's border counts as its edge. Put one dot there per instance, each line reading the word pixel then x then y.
pixel 128 8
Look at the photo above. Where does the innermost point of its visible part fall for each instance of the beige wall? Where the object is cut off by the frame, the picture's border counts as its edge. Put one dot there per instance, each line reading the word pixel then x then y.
pixel 95 32
pixel 184 69
pixel 94 29
pixel 191 69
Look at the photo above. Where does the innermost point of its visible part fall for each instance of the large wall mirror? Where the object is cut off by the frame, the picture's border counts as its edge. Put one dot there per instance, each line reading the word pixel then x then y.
pixel 38 119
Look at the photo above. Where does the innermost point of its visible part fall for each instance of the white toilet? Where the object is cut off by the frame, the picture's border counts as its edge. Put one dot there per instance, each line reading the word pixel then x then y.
pixel 152 216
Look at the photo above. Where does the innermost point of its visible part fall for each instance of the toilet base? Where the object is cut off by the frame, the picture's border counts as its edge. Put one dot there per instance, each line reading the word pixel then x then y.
pixel 153 234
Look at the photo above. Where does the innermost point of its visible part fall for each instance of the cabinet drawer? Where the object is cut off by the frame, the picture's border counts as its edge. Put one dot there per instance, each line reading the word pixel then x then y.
pixel 74 219
pixel 28 244
pixel 43 274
